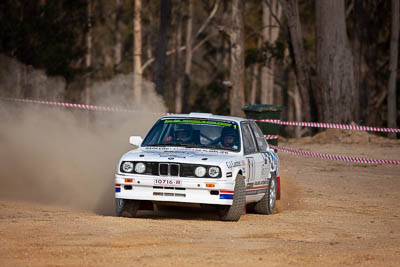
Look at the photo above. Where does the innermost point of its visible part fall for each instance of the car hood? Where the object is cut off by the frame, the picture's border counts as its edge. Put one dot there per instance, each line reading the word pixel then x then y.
pixel 185 155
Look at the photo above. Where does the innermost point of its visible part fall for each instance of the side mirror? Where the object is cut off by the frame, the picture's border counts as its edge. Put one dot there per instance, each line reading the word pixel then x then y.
pixel 135 140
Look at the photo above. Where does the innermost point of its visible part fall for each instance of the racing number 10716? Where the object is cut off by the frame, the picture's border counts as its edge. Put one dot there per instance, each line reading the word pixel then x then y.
pixel 167 182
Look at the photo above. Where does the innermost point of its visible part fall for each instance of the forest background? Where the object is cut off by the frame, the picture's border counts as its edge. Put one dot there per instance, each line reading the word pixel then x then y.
pixel 328 61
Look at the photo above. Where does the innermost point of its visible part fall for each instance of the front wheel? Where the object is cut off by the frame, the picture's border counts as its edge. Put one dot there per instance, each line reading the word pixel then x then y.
pixel 267 204
pixel 126 207
pixel 232 213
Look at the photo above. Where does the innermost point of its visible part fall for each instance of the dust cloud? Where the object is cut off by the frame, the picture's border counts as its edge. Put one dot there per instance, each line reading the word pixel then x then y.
pixel 68 157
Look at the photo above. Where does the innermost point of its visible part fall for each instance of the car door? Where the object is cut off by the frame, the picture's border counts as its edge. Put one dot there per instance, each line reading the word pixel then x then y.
pixel 262 149
pixel 255 160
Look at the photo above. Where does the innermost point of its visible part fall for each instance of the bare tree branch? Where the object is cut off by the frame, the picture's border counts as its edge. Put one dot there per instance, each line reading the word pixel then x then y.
pixel 205 24
pixel 277 20
pixel 168 53
pixel 273 14
pixel 350 8
pixel 173 51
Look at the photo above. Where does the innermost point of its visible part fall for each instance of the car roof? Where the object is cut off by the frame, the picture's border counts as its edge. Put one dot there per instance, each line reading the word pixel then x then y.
pixel 207 116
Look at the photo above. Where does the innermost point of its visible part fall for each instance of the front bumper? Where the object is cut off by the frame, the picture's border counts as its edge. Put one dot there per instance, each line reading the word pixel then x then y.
pixel 191 190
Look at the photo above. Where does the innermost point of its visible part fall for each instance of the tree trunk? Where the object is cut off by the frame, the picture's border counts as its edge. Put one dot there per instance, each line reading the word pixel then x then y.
pixel 291 11
pixel 270 34
pixel 137 53
pixel 188 54
pixel 294 95
pixel 394 44
pixel 162 44
pixel 178 59
pixel 255 77
pixel 357 53
pixel 266 91
pixel 254 84
pixel 237 59
pixel 88 52
pixel 149 50
pixel 362 49
pixel 118 41
pixel 334 62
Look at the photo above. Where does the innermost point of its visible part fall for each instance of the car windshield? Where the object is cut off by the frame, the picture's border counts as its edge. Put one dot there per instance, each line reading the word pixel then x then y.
pixel 195 133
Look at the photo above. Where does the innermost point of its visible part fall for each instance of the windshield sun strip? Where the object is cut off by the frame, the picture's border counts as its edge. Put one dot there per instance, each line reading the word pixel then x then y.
pixel 218 123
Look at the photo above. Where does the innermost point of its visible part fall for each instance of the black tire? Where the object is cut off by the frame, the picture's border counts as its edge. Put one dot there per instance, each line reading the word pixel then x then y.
pixel 232 213
pixel 267 204
pixel 126 207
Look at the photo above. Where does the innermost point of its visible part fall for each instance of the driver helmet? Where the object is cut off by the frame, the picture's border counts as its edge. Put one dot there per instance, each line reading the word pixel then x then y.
pixel 228 137
pixel 183 133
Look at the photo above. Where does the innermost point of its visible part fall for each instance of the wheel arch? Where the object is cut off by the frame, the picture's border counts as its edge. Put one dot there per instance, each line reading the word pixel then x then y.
pixel 236 172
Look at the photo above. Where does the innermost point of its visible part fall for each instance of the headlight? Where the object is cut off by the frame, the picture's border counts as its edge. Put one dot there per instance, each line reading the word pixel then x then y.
pixel 200 171
pixel 213 171
pixel 127 166
pixel 140 167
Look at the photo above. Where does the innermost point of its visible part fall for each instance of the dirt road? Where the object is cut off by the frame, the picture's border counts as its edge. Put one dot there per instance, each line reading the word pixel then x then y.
pixel 331 213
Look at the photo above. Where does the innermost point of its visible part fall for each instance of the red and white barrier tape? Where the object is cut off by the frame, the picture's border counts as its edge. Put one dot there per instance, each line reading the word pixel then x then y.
pixel 332 126
pixel 78 106
pixel 68 105
pixel 271 137
pixel 335 157
pixel 283 149
pixel 288 123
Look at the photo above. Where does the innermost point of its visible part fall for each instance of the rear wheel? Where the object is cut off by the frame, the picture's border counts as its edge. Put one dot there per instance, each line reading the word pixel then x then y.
pixel 233 212
pixel 267 204
pixel 126 207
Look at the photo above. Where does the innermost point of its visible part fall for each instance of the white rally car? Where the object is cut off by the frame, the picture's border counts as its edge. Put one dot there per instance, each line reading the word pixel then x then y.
pixel 203 159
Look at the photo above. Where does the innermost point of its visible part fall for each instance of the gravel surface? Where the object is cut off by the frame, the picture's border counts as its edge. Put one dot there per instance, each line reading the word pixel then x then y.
pixel 330 213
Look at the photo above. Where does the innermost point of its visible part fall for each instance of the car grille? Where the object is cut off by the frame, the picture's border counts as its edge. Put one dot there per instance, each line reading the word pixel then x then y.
pixel 173 169
pixel 170 169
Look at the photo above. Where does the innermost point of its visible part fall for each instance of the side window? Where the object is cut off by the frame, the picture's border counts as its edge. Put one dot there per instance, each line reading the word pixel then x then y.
pixel 262 144
pixel 248 140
